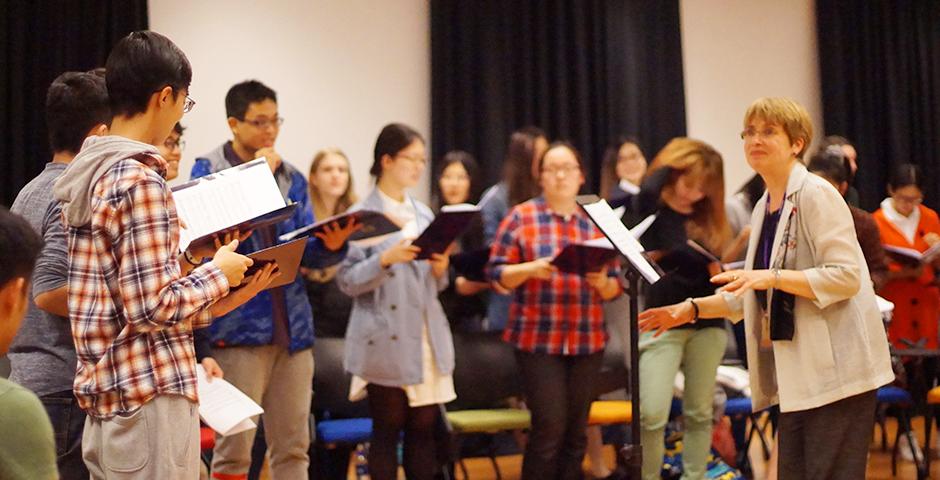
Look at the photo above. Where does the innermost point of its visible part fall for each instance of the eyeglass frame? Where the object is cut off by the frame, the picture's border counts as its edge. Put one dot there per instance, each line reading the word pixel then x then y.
pixel 262 124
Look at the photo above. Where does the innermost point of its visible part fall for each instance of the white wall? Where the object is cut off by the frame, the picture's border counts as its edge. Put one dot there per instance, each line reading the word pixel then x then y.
pixel 735 51
pixel 341 69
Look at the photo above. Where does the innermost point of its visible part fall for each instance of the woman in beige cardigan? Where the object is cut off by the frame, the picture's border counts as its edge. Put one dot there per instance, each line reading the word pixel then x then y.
pixel 816 345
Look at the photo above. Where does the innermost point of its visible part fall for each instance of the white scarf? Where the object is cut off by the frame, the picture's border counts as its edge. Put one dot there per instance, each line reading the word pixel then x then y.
pixel 907 225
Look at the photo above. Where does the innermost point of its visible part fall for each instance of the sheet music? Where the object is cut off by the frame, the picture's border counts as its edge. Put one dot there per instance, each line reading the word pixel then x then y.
pixel 609 223
pixel 223 407
pixel 641 228
pixel 226 198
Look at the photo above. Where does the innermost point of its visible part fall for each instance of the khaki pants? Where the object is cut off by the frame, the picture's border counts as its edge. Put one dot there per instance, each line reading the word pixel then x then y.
pixel 160 440
pixel 282 384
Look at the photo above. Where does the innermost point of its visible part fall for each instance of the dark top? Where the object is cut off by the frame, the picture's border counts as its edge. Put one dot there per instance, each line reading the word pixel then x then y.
pixel 765 246
pixel 331 304
pixel 465 313
pixel 685 270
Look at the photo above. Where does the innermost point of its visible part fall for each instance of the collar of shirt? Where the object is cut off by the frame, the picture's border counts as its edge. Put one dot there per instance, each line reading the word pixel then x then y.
pixel 402 211
pixel 907 225
pixel 628 187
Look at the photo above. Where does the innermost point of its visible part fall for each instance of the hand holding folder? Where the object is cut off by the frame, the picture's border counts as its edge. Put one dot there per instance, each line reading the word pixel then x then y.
pixel 586 257
pixel 453 221
pixel 374 224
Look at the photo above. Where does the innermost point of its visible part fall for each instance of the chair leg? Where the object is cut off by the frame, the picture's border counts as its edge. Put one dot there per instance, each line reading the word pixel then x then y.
pixel 894 451
pixel 880 417
pixel 928 425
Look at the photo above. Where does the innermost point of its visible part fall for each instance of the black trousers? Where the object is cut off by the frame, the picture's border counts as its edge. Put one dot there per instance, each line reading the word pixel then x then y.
pixel 828 442
pixel 559 390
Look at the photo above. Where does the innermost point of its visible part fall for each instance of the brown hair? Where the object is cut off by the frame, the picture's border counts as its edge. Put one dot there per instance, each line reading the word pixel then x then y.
pixel 708 224
pixel 791 116
pixel 346 199
pixel 518 165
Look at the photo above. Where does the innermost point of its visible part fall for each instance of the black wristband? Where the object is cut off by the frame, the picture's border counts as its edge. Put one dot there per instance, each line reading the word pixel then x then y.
pixel 694 310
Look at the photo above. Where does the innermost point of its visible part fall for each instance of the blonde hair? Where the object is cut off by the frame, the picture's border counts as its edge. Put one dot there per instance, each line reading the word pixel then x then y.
pixel 791 116
pixel 708 224
pixel 345 200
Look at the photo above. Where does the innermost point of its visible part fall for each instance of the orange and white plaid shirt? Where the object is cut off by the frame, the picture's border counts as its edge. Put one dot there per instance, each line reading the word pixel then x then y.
pixel 132 312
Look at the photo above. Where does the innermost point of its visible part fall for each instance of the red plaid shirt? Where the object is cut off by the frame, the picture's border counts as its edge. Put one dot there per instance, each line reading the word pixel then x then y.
pixel 561 315
pixel 132 313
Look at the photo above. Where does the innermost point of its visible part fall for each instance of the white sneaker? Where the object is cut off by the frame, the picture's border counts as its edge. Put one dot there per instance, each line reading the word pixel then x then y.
pixel 904 448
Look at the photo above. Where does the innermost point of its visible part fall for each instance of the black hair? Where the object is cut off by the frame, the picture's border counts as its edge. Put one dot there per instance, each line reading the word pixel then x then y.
pixel 469 164
pixel 831 164
pixel 905 175
pixel 19 247
pixel 179 129
pixel 611 157
pixel 243 94
pixel 753 189
pixel 393 138
pixel 76 102
pixel 141 64
pixel 564 144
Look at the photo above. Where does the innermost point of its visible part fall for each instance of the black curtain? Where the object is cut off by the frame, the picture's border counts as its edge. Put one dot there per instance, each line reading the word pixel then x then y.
pixel 585 71
pixel 39 40
pixel 880 73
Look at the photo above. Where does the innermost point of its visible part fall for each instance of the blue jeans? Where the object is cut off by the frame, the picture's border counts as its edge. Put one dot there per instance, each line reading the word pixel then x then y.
pixel 68 422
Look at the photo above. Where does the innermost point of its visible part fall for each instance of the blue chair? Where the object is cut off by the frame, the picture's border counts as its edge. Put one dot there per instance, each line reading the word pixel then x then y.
pixel 341 425
pixel 900 401
pixel 740 409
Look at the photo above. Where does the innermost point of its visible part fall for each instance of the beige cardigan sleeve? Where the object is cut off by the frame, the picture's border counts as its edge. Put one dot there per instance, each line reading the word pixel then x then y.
pixel 830 231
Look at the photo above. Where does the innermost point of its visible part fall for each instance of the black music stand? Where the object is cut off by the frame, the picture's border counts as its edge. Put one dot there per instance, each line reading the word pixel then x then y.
pixel 638 266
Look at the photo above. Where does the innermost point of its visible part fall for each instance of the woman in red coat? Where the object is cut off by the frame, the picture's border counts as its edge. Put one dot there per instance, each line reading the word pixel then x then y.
pixel 904 222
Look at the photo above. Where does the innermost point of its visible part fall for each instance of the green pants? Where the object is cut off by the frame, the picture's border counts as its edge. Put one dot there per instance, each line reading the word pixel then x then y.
pixel 698 353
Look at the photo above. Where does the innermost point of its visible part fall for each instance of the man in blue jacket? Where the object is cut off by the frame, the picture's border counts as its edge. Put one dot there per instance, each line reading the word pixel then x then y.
pixel 265 346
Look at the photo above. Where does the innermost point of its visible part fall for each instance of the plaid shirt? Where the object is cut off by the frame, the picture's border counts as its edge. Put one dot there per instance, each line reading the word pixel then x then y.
pixel 132 313
pixel 561 315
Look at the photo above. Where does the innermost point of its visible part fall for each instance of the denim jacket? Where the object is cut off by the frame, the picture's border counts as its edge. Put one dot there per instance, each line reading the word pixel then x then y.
pixel 390 307
pixel 252 323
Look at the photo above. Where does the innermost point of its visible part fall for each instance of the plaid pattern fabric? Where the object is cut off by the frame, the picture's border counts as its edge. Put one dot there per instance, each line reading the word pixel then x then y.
pixel 132 313
pixel 561 315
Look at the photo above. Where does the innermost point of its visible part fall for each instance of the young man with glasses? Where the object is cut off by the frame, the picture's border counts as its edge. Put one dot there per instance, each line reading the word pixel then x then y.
pixel 265 346
pixel 132 311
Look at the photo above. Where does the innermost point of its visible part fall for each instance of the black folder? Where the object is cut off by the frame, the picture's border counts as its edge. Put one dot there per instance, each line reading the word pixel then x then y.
pixel 446 227
pixel 374 224
pixel 271 218
pixel 581 259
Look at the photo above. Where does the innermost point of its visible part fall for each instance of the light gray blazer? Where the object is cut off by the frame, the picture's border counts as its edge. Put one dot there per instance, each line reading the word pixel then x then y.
pixel 839 348
pixel 390 305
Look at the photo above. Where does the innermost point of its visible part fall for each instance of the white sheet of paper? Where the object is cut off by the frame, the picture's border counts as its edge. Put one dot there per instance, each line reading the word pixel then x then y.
pixel 639 229
pixel 609 223
pixel 226 198
pixel 223 407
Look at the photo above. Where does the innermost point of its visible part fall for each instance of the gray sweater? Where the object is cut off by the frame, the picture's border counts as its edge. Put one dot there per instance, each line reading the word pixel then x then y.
pixel 42 355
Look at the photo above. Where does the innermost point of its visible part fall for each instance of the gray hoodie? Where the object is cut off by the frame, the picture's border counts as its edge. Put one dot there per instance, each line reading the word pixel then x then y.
pixel 98 154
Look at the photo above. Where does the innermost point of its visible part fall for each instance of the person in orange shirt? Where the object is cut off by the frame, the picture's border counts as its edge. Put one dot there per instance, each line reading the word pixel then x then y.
pixel 904 222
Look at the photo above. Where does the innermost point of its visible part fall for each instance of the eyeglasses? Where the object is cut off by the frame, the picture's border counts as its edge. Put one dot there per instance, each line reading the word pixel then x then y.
pixel 190 103
pixel 263 123
pixel 170 144
pixel 749 134
pixel 566 169
pixel 415 160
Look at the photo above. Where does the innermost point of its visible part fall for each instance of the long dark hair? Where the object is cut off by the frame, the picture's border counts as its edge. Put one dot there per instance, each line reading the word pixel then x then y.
pixel 611 156
pixel 518 165
pixel 753 189
pixel 393 138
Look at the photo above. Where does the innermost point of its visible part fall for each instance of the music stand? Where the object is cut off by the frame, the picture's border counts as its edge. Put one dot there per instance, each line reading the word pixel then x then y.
pixel 638 266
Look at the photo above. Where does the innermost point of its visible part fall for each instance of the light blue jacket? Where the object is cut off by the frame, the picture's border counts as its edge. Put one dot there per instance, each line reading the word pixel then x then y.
pixel 390 305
